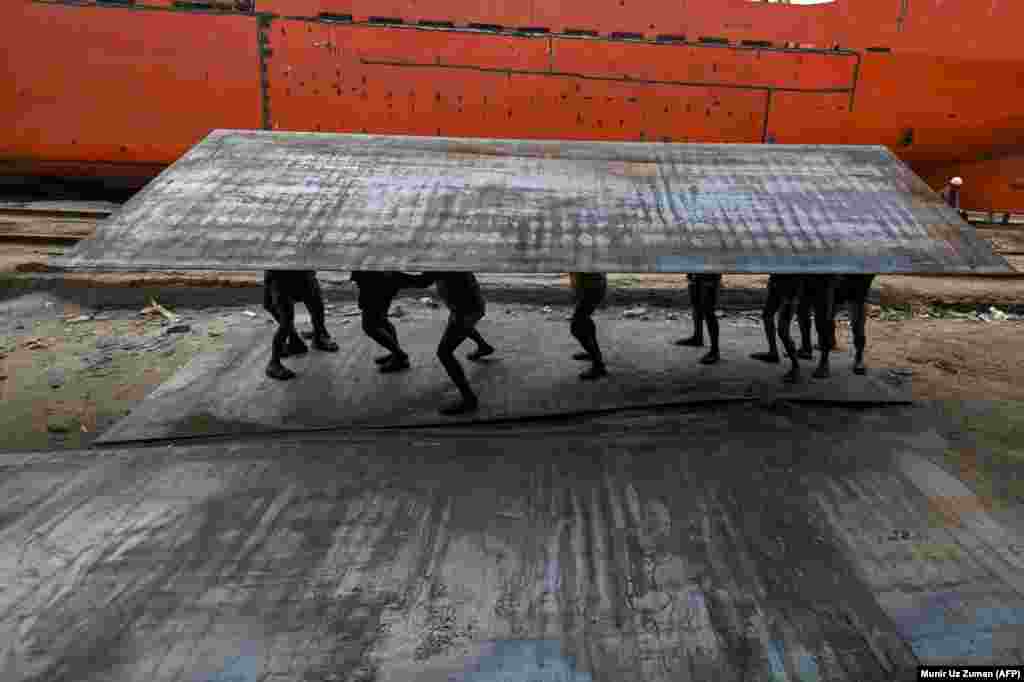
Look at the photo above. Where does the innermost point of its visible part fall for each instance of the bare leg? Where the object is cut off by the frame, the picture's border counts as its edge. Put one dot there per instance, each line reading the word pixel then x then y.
pixel 708 303
pixel 785 320
pixel 285 309
pixel 454 334
pixel 294 345
pixel 824 314
pixel 315 304
pixel 377 327
pixel 803 318
pixel 771 307
pixel 858 319
pixel 697 340
pixel 483 349
pixel 585 331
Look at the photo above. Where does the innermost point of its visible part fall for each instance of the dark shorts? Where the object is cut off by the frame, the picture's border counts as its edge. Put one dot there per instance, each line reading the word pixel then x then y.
pixel 705 280
pixel 854 288
pixel 294 285
pixel 464 321
pixel 786 288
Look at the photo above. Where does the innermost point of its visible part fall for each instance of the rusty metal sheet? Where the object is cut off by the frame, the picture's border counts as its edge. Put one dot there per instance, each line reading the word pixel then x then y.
pixel 253 200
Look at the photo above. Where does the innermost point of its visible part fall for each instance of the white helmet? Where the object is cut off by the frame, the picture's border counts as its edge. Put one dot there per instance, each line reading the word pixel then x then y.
pixel 957 181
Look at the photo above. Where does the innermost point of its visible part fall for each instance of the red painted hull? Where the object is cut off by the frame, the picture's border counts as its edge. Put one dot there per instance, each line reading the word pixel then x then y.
pixel 108 91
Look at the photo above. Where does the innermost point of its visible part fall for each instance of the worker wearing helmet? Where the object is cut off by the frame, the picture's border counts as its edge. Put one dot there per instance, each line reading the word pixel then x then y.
pixel 951 193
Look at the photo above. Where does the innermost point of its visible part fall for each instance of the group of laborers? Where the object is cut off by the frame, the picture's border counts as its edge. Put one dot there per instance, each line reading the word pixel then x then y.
pixel 788 295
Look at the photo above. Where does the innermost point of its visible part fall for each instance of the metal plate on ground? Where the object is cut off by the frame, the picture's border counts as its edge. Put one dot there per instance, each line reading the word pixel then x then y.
pixel 532 375
pixel 725 544
pixel 254 200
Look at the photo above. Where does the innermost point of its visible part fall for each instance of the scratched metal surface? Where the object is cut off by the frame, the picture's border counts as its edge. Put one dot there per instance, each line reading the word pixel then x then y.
pixel 252 200
pixel 607 551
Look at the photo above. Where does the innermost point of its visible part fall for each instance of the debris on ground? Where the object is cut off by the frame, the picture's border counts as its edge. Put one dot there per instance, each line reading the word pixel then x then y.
pixel 214 332
pixel 60 424
pixel 155 308
pixel 80 318
pixel 997 314
pixel 20 326
pixel 546 309
pixel 36 343
pixel 248 313
pixel 427 301
pixel 180 328
pixel 671 316
pixel 634 312
pixel 55 377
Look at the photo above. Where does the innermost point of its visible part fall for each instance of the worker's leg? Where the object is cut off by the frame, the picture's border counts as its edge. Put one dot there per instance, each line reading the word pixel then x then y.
pixel 803 318
pixel 455 333
pixel 275 282
pixel 786 311
pixel 697 339
pixel 823 299
pixel 284 312
pixel 584 330
pixel 858 319
pixel 377 327
pixel 483 349
pixel 315 304
pixel 771 307
pixel 710 286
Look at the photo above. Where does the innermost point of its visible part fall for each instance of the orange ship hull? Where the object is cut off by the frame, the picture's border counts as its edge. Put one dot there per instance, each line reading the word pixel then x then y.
pixel 117 90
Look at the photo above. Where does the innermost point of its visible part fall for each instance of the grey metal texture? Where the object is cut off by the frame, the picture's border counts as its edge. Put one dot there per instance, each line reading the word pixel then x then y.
pixel 254 200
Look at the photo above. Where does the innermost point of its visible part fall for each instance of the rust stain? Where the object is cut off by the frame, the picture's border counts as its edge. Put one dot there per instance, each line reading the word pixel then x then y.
pixel 950 508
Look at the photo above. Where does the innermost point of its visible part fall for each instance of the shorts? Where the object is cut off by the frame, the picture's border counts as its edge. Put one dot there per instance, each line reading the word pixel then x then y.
pixel 853 288
pixel 296 286
pixel 464 322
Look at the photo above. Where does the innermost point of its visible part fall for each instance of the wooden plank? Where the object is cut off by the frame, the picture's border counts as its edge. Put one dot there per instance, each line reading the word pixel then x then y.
pixel 253 200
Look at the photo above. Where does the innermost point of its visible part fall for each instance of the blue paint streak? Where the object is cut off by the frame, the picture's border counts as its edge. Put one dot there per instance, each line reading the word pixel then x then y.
pixel 523 661
pixel 241 668
pixel 789 264
pixel 942 628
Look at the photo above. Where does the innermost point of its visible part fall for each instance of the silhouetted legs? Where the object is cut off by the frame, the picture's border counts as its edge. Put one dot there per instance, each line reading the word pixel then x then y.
pixel 703 290
pixel 460 327
pixel 768 313
pixel 483 349
pixel 281 289
pixel 378 327
pixel 697 339
pixel 584 330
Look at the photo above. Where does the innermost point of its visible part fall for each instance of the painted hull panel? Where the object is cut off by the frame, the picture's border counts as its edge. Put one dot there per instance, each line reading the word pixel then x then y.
pixel 124 91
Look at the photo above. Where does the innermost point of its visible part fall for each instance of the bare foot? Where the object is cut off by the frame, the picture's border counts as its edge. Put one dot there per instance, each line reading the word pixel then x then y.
pixel 821 372
pixel 710 358
pixel 595 372
pixel 767 357
pixel 295 346
pixel 326 344
pixel 395 364
pixel 581 356
pixel 481 353
pixel 465 404
pixel 279 372
pixel 694 341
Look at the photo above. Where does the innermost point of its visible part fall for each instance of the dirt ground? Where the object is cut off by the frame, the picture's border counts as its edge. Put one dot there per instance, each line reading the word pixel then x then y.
pixel 105 364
